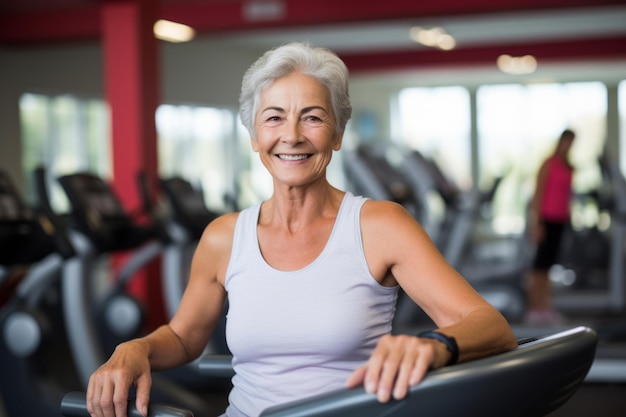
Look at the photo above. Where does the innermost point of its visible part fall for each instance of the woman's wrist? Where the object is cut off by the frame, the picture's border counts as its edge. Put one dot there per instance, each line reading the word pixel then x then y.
pixel 450 343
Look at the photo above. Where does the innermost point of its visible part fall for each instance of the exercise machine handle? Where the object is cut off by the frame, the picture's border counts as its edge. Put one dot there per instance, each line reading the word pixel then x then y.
pixel 220 366
pixel 74 404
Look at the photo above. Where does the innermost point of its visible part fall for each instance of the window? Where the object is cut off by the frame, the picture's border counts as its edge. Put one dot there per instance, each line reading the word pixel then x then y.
pixel 205 145
pixel 518 126
pixel 436 122
pixel 65 134
pixel 621 106
pixel 196 143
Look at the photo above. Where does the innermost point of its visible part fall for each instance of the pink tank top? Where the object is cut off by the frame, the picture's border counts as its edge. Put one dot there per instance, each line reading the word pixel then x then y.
pixel 555 202
pixel 301 333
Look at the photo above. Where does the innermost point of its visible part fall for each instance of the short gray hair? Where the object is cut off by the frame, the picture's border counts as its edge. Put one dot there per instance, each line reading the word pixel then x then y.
pixel 320 63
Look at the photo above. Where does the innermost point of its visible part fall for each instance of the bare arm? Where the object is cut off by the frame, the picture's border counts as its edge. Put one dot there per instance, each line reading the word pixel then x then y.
pixel 540 185
pixel 399 250
pixel 535 209
pixel 173 344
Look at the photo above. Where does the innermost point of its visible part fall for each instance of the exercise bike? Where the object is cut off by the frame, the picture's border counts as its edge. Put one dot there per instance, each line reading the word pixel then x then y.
pixel 37 369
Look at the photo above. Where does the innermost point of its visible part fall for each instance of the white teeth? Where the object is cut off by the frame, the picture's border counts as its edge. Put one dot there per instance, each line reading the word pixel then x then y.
pixel 293 157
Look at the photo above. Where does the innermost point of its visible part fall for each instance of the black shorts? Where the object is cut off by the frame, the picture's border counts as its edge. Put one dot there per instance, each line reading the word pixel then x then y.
pixel 548 248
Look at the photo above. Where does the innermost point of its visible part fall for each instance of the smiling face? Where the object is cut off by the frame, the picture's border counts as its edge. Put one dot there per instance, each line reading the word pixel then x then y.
pixel 295 130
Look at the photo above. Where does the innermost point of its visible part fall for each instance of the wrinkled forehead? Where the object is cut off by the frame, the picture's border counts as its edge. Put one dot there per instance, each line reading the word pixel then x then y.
pixel 295 89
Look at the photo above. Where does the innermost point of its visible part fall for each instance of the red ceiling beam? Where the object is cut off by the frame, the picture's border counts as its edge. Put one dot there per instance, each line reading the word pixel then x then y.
pixel 551 51
pixel 232 15
pixel 214 16
pixel 50 26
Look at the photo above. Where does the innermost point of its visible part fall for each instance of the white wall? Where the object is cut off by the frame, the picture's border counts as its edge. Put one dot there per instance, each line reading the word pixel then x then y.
pixel 204 72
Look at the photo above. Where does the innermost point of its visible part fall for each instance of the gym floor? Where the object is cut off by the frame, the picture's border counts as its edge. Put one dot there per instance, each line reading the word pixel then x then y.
pixel 595 400
pixel 592 399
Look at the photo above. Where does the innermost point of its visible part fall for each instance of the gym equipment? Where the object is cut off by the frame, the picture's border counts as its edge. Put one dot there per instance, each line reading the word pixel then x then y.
pixel 74 405
pixel 612 296
pixel 532 380
pixel 497 278
pixel 100 227
pixel 371 170
pixel 187 219
pixel 375 170
pixel 36 367
pixel 183 216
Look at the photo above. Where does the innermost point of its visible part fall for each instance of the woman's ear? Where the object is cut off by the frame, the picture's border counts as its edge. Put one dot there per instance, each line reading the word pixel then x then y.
pixel 337 140
pixel 255 144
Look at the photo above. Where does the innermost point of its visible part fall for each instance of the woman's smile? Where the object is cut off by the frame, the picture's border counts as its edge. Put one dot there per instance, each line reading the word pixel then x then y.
pixel 295 130
pixel 290 157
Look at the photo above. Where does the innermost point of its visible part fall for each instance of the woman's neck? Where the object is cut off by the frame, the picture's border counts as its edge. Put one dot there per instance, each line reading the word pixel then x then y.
pixel 295 208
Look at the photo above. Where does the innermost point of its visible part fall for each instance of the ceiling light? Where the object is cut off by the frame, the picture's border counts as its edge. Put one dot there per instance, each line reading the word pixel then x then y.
pixel 264 10
pixel 517 65
pixel 435 37
pixel 173 32
pixel 446 42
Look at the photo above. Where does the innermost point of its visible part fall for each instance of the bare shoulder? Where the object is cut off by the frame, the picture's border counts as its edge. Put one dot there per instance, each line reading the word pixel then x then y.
pixel 381 213
pixel 388 227
pixel 219 233
pixel 217 239
pixel 225 220
pixel 213 250
pixel 393 242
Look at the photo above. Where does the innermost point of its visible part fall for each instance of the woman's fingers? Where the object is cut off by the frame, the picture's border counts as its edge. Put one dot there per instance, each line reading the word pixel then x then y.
pixel 398 362
pixel 391 365
pixel 423 363
pixel 107 392
pixel 358 377
pixel 120 395
pixel 100 399
pixel 403 380
pixel 143 384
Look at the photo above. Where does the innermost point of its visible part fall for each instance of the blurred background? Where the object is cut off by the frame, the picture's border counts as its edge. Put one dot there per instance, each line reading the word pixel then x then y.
pixel 480 89
pixel 485 93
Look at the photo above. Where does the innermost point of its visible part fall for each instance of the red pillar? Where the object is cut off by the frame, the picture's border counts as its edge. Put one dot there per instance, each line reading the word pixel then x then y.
pixel 132 89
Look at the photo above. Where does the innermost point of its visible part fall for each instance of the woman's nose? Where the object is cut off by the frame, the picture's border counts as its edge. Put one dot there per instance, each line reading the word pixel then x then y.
pixel 291 133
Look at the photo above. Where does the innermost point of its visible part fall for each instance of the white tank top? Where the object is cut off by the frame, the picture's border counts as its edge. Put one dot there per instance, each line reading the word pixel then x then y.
pixel 301 333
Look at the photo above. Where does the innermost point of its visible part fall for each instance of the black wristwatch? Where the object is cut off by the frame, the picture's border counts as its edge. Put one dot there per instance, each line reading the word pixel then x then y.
pixel 449 341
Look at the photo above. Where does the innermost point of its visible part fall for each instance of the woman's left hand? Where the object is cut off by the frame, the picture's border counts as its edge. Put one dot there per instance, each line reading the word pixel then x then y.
pixel 398 362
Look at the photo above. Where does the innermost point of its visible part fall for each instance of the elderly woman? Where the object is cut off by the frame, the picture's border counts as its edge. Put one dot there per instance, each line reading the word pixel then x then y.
pixel 312 274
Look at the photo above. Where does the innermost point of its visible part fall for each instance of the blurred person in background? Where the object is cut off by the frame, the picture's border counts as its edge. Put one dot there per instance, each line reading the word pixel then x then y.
pixel 549 218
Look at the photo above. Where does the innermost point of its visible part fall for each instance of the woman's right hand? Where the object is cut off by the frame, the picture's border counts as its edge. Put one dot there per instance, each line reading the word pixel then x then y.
pixel 107 392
